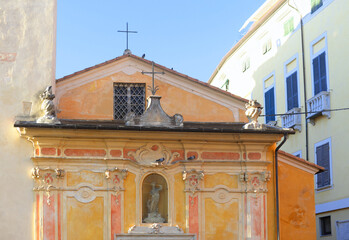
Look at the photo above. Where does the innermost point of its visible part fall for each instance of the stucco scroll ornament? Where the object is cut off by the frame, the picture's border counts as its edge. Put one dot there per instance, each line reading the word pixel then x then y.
pixel 47 107
pixel 253 110
pixel 153 155
pixel 46 179
pixel 192 180
pixel 116 177
pixel 255 181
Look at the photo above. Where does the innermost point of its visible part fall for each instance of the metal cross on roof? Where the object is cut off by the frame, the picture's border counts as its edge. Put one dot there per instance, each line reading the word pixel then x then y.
pixel 153 88
pixel 127 32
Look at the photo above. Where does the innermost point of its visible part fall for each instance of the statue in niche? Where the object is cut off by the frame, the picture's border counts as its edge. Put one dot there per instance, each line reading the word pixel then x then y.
pixel 153 205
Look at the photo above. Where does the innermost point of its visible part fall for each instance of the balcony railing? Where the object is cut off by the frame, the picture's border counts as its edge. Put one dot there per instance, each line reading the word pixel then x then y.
pixel 318 105
pixel 291 119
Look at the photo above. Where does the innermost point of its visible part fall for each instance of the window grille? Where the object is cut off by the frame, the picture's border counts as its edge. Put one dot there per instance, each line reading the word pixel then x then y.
pixel 128 97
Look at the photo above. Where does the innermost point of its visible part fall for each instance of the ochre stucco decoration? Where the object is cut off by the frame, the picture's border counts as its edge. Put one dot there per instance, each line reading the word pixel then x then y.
pixel 255 181
pixel 150 153
pixel 192 180
pixel 116 177
pixel 47 179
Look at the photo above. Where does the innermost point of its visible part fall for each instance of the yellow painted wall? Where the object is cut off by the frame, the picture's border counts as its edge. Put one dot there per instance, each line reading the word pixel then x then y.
pixel 221 220
pixel 85 221
pixel 210 181
pixel 94 100
pixel 75 178
pixel 179 202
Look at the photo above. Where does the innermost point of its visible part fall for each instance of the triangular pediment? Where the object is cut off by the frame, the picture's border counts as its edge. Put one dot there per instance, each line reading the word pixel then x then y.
pixel 88 94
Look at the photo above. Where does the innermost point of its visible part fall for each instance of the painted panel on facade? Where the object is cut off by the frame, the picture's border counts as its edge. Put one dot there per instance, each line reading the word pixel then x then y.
pixel 129 201
pixel 75 178
pixel 221 220
pixel 49 218
pixel 210 181
pixel 85 221
pixel 115 214
pixel 179 201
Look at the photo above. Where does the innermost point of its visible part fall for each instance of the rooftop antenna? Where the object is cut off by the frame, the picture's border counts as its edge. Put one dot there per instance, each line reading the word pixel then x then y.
pixel 153 88
pixel 127 51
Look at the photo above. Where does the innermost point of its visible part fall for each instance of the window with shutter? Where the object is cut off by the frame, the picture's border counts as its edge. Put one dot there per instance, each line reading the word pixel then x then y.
pixel 319 73
pixel 128 97
pixel 315 5
pixel 269 97
pixel 292 91
pixel 323 159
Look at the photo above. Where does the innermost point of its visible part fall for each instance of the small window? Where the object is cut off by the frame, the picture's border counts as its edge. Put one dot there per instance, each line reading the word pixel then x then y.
pixel 325 226
pixel 288 26
pixel 315 5
pixel 322 154
pixel 246 65
pixel 266 46
pixel 319 73
pixel 128 97
pixel 269 97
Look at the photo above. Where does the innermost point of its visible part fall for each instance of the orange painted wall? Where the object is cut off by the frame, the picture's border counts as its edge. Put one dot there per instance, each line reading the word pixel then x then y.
pixel 94 100
pixel 297 203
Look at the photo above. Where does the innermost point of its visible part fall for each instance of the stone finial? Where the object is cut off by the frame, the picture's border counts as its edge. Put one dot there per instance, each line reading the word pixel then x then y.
pixel 154 116
pixel 47 107
pixel 253 110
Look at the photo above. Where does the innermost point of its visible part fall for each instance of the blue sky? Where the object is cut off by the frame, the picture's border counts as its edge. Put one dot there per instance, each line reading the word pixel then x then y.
pixel 190 36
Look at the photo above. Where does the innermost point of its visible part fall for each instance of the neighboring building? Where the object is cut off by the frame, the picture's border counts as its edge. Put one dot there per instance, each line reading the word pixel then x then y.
pixel 110 170
pixel 27 66
pixel 293 59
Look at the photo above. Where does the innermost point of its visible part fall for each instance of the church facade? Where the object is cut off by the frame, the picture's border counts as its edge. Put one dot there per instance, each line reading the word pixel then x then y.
pixel 113 161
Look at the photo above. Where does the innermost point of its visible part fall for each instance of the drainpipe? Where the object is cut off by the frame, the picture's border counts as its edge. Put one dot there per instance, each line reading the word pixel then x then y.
pixel 304 82
pixel 277 187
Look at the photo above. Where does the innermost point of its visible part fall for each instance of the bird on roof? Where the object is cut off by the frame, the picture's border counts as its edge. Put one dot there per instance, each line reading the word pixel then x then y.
pixel 191 157
pixel 143 56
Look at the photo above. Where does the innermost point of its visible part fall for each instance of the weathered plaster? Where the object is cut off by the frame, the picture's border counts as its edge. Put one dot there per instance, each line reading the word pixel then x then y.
pixel 27 49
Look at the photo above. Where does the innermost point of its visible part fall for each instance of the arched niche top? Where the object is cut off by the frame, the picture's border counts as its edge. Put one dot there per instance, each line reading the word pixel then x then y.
pixel 154 199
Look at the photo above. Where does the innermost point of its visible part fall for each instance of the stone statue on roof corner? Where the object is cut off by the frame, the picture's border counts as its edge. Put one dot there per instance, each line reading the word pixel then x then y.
pixel 47 107
pixel 253 110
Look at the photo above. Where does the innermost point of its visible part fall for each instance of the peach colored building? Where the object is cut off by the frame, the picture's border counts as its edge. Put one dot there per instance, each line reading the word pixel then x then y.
pixel 117 166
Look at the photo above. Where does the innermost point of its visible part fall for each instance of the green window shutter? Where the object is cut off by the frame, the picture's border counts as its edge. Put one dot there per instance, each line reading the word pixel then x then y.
pixel 315 5
pixel 288 26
